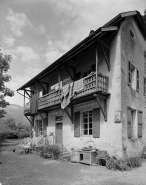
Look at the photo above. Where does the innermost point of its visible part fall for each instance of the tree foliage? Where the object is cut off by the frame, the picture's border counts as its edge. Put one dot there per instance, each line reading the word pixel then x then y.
pixel 9 129
pixel 4 78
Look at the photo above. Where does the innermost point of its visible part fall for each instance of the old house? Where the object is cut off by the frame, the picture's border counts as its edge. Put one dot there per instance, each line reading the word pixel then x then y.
pixel 96 91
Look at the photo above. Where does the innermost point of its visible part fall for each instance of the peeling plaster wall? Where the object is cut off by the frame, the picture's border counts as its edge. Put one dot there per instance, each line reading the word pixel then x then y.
pixel 110 132
pixel 132 49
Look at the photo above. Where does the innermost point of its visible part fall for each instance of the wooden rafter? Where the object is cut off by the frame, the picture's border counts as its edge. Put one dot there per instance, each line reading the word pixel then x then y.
pixel 102 109
pixel 41 86
pixel 106 59
pixel 70 67
pixel 29 120
pixel 70 116
pixel 27 93
pixel 68 72
pixel 110 28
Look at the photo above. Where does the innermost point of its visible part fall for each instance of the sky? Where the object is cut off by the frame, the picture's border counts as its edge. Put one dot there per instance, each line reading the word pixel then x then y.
pixel 37 32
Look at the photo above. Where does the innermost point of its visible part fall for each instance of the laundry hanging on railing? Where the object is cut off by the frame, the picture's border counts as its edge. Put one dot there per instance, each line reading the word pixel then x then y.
pixel 78 86
pixel 67 95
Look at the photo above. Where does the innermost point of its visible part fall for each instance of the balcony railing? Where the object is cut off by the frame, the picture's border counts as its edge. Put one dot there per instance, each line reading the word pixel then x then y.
pixel 27 108
pixel 89 86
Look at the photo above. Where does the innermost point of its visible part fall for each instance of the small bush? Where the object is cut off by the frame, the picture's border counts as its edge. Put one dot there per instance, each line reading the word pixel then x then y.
pixel 123 165
pixel 48 151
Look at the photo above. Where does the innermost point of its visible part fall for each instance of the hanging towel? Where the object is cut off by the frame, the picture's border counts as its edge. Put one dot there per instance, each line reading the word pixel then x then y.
pixel 67 95
pixel 78 85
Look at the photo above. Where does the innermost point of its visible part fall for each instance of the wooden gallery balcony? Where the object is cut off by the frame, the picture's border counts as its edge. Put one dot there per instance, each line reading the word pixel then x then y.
pixel 89 87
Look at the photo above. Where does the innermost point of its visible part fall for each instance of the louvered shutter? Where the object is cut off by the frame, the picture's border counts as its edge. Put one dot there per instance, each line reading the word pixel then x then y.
pixel 139 124
pixel 137 81
pixel 77 124
pixel 96 123
pixel 45 124
pixel 129 73
pixel 129 127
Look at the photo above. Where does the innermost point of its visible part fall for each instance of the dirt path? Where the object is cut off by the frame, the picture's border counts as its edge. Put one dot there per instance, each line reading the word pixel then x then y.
pixel 31 169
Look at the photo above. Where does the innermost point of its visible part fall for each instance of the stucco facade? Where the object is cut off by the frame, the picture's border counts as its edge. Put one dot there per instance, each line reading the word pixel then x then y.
pixel 124 40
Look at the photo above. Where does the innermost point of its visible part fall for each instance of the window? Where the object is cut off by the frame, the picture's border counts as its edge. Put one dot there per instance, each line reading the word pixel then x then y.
pixel 87 123
pixel 140 123
pixel 137 81
pixel 133 76
pixel 145 62
pixel 144 86
pixel 130 121
pixel 131 33
pixel 90 123
pixel 39 127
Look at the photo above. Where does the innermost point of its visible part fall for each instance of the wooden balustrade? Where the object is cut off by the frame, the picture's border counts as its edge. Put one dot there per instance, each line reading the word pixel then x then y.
pixel 89 86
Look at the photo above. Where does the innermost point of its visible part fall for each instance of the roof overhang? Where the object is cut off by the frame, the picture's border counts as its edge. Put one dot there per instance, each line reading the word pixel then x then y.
pixel 112 25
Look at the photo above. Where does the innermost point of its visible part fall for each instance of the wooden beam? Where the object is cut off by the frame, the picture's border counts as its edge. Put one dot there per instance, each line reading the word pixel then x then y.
pixel 72 113
pixel 110 28
pixel 70 67
pixel 27 94
pixel 102 109
pixel 68 72
pixel 96 53
pixel 106 60
pixel 70 117
pixel 29 120
pixel 41 85
pixel 59 82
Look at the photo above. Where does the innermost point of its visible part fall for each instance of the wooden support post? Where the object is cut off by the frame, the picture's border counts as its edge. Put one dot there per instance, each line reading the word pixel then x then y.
pixel 104 55
pixel 102 109
pixel 72 113
pixel 29 120
pixel 96 53
pixel 69 73
pixel 59 83
pixel 70 117
pixel 24 100
pixel 27 94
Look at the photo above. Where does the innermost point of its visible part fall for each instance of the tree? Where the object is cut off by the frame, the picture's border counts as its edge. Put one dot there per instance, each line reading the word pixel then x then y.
pixel 4 78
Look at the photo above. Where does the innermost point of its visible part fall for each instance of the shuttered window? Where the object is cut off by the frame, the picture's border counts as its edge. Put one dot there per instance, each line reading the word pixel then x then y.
pixel 129 123
pixel 140 124
pixel 77 124
pixel 137 81
pixel 96 123
pixel 131 74
pixel 144 86
pixel 87 123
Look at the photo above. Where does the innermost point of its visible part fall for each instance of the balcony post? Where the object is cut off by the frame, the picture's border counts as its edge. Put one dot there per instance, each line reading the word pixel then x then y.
pixel 24 100
pixel 96 53
pixel 59 81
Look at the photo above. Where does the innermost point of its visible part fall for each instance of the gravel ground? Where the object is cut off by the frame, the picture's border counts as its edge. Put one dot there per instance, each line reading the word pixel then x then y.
pixel 31 169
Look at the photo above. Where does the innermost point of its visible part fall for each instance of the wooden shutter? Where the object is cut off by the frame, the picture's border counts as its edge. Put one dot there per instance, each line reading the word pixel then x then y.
pixel 77 124
pixel 144 86
pixel 45 124
pixel 139 124
pixel 96 123
pixel 137 81
pixel 129 126
pixel 129 73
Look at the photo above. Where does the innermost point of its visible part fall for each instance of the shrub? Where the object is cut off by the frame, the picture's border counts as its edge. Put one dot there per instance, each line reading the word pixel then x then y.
pixel 123 165
pixel 48 151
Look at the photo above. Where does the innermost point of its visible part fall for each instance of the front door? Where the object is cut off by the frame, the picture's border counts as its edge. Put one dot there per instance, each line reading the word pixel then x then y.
pixel 59 134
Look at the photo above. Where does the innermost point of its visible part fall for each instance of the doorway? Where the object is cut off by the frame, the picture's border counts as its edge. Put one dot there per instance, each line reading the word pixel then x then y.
pixel 59 134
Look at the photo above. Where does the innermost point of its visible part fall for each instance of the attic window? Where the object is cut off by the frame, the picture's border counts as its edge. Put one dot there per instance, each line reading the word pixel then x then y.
pixel 131 34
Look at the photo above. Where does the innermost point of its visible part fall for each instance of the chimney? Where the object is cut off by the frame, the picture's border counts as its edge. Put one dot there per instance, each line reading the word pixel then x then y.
pixel 91 31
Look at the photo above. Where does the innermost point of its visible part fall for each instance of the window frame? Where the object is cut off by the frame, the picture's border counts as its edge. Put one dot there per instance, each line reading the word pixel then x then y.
pixel 88 123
